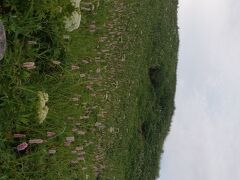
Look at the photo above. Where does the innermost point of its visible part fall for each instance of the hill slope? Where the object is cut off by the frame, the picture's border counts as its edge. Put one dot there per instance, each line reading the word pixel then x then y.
pixel 110 86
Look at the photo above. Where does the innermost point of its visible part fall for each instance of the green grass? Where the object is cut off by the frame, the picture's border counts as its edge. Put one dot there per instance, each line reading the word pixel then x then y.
pixel 113 87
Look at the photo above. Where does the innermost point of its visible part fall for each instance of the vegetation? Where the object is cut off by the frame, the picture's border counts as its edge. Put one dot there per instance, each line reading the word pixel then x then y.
pixel 94 103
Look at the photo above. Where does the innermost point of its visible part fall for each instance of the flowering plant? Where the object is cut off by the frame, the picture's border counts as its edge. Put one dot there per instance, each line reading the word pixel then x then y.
pixel 42 108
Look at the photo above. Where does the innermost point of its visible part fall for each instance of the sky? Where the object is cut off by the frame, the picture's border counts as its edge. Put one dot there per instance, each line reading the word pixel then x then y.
pixel 203 143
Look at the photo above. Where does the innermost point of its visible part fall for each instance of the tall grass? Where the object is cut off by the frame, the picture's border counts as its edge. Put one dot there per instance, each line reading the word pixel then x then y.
pixel 101 85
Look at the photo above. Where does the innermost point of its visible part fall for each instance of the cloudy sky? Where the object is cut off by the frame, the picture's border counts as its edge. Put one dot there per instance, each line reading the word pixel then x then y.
pixel 204 141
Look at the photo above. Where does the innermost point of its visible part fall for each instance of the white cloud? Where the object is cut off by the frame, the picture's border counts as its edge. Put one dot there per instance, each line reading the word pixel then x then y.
pixel 203 141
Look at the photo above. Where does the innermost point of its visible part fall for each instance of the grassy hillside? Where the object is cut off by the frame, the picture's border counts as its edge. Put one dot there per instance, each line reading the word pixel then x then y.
pixel 110 86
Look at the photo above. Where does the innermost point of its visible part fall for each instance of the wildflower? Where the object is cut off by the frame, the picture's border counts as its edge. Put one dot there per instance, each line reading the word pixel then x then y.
pixel 98 157
pixel 92 26
pixel 81 158
pixel 78 124
pixel 74 129
pixel 79 148
pixel 106 96
pixel 98 70
pixel 95 168
pixel 93 94
pixel 29 65
pixel 74 67
pixel 2 40
pixel 74 152
pixel 75 99
pixel 50 134
pixel 102 166
pixel 32 42
pixel 84 117
pixel 81 153
pixel 89 143
pixel 84 168
pixel 51 151
pixel 70 139
pixel 104 50
pixel 66 37
pixel 35 141
pixel 42 114
pixel 82 75
pixel 19 135
pixel 102 39
pixel 94 107
pixel 97 124
pixel 92 30
pixel 66 144
pixel 87 8
pixel 22 146
pixel 43 99
pixel 73 22
pixel 76 3
pixel 111 129
pixel 56 62
pixel 60 9
pixel 42 108
pixel 89 87
pixel 81 133
pixel 74 162
pixel 85 61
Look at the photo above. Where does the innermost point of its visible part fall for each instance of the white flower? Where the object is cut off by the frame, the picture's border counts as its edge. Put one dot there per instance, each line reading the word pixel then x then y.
pixel 43 96
pixel 43 99
pixel 76 3
pixel 42 114
pixel 42 108
pixel 73 22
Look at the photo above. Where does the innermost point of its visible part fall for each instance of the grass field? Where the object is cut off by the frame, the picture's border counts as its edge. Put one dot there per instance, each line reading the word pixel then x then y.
pixel 110 86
